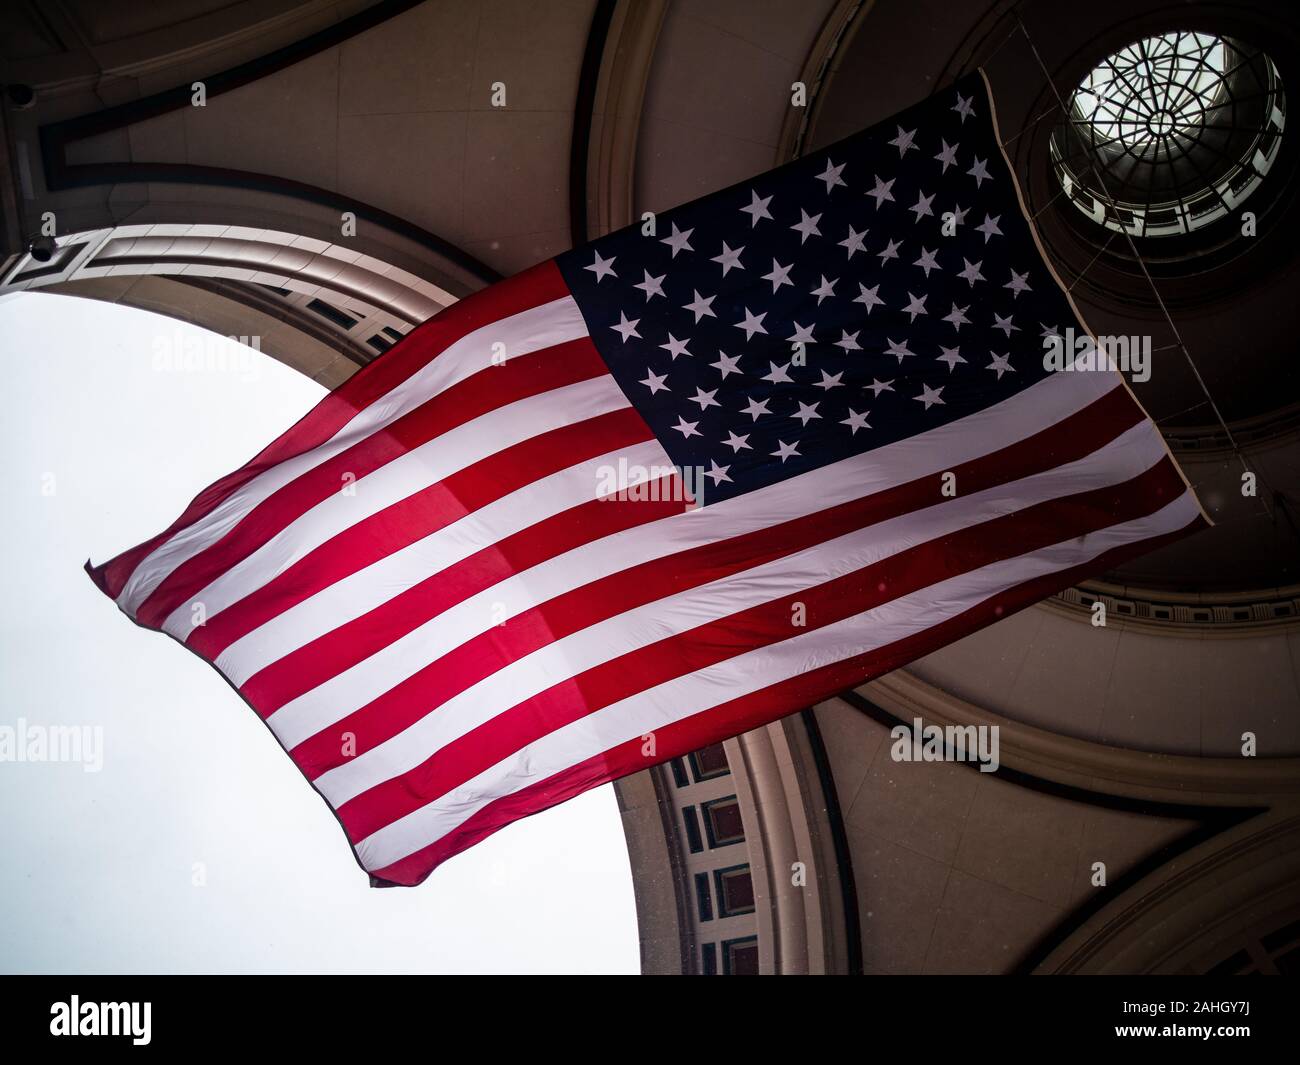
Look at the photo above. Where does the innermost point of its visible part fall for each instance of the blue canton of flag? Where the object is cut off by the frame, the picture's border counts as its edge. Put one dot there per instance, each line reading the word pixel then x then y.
pixel 875 289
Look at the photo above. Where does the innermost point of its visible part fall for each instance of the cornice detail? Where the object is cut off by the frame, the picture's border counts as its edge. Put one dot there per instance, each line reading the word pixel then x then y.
pixel 1184 614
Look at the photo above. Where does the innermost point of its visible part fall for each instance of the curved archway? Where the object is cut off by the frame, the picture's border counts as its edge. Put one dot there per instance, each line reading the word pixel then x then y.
pixel 317 302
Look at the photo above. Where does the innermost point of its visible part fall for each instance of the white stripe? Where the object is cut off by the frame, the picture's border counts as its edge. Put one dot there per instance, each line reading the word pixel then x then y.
pixel 1021 416
pixel 411 472
pixel 683 697
pixel 562 659
pixel 531 330
pixel 362 591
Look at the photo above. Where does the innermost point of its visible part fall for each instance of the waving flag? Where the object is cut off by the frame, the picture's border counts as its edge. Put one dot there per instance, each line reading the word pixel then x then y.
pixel 663 489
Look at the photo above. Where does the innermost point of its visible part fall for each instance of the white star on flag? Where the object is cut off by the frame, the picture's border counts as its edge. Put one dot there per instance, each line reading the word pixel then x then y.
pixel 831 175
pixel 898 349
pixel 881 192
pixel 950 356
pixel 778 374
pixel 677 240
pixel 700 306
pixel 915 306
pixel 729 259
pixel 1001 364
pixel 727 364
pixel 972 272
pixel 853 242
pixel 717 473
pixel 806 412
pixel 651 286
pixel 675 347
pixel 803 334
pixel 869 297
pixel 757 208
pixel 602 268
pixel 807 226
pixel 989 227
pixel 704 399
pixel 779 275
pixel 922 206
pixel 1005 324
pixel 929 396
pixel 856 421
pixel 752 323
pixel 655 382
pixel 626 328
pixel 903 142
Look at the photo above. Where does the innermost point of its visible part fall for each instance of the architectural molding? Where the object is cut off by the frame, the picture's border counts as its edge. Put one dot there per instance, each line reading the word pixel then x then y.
pixel 659 885
pixel 615 114
pixel 793 862
pixel 1215 614
pixel 842 919
pixel 799 122
pixel 583 116
pixel 354 304
pixel 318 353
pixel 266 257
pixel 1187 915
pixel 1094 767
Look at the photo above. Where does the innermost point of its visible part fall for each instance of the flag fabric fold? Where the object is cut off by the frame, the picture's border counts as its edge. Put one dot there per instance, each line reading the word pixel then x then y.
pixel 666 488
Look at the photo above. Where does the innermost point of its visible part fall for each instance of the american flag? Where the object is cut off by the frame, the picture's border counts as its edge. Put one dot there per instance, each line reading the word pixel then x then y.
pixel 663 489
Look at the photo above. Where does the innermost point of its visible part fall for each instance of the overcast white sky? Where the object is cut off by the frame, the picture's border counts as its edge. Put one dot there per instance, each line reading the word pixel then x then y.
pixel 97 870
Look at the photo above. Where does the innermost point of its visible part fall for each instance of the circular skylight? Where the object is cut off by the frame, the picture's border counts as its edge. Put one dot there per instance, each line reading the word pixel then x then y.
pixel 1170 133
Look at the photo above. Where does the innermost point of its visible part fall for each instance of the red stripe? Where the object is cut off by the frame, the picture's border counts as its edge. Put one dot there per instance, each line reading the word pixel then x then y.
pixel 418 516
pixel 1011 535
pixel 749 712
pixel 490 389
pixel 315 662
pixel 539 285
pixel 478 657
